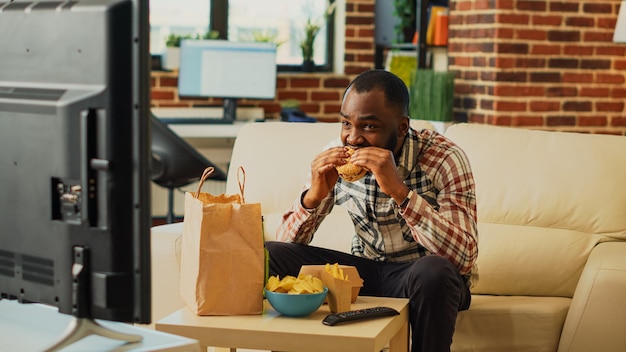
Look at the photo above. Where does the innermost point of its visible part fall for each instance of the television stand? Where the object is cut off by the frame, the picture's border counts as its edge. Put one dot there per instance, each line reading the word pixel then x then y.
pixel 82 324
pixel 80 328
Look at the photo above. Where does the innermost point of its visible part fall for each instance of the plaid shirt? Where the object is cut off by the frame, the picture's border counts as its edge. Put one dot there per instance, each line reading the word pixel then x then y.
pixel 440 217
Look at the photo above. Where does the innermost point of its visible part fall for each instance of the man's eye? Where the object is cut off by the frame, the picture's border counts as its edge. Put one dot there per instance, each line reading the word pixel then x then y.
pixel 369 126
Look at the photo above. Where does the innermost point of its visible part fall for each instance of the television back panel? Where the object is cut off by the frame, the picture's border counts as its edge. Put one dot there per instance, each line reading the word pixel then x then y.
pixel 74 166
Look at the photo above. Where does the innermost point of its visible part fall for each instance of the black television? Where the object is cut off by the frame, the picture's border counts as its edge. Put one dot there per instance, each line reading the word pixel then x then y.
pixel 75 160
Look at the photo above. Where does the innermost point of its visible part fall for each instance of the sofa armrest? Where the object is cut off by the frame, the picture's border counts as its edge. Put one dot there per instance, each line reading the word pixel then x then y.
pixel 597 316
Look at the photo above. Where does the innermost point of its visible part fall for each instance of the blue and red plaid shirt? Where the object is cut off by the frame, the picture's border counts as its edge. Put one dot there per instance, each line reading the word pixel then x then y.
pixel 439 219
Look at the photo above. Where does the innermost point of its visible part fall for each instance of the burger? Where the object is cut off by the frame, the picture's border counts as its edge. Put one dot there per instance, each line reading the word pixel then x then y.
pixel 349 171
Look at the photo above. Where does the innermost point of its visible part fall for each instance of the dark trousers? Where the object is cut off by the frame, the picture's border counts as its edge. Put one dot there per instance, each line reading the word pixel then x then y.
pixel 435 289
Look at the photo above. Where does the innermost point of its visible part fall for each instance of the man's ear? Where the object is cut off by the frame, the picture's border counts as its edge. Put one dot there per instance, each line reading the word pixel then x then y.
pixel 403 126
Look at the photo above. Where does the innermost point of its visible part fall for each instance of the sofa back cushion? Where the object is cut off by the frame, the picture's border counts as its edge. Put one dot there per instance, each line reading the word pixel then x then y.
pixel 544 199
pixel 277 158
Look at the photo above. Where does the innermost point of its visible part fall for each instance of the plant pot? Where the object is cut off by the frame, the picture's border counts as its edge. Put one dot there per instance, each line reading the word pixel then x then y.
pixel 308 66
pixel 172 58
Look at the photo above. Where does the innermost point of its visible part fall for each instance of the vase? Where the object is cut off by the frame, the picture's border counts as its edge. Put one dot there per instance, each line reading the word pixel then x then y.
pixel 172 58
pixel 308 66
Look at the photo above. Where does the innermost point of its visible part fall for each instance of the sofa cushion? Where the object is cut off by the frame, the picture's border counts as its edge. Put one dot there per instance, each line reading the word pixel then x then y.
pixel 539 215
pixel 276 173
pixel 510 323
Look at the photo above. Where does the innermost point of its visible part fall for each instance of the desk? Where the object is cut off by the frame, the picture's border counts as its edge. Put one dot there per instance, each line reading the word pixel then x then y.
pixel 272 331
pixel 35 327
pixel 208 131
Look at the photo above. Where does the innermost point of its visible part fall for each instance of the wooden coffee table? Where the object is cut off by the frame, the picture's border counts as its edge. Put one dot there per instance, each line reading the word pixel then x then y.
pixel 272 331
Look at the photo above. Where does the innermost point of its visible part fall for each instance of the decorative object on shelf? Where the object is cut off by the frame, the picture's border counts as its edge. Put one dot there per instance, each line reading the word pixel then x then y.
pixel 432 94
pixel 402 64
pixel 404 28
pixel 311 30
pixel 172 47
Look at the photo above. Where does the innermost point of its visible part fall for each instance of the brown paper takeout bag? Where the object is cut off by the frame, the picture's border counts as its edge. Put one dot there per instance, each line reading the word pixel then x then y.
pixel 222 267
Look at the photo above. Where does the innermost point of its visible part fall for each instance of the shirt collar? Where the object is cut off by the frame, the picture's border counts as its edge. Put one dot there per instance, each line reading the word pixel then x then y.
pixel 407 159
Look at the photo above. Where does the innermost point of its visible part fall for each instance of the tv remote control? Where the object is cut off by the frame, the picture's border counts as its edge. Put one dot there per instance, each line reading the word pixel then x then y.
pixel 359 314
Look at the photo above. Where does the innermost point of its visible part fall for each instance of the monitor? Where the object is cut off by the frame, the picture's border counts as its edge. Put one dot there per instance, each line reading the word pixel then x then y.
pixel 75 160
pixel 228 70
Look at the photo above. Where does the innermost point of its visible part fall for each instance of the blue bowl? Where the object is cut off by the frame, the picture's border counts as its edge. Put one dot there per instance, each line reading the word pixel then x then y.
pixel 296 305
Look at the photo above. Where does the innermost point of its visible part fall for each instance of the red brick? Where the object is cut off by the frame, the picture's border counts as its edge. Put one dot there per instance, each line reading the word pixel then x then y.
pixel 578 50
pixel 594 92
pixel 505 4
pixel 561 91
pixel 602 37
pixel 592 121
pixel 518 91
pixel 527 121
pixel 531 34
pixel 619 93
pixel 290 94
pixel 510 106
pixel 595 64
pixel 168 81
pixel 579 22
pixel 542 49
pixel 577 106
pixel 619 51
pixel 560 121
pixel 359 20
pixel 507 18
pixel 503 33
pixel 610 78
pixel 546 20
pixel 534 5
pixel 563 36
pixel 563 6
pixel 618 121
pixel 577 77
pixel 544 106
pixel 325 96
pixel 332 109
pixel 157 94
pixel 610 106
pixel 304 82
pixel 597 8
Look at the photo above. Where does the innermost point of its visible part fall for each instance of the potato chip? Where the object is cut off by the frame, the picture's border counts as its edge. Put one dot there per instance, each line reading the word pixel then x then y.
pixel 303 284
pixel 335 271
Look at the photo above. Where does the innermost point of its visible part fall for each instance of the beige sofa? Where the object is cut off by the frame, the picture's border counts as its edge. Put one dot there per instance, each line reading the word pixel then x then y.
pixel 552 230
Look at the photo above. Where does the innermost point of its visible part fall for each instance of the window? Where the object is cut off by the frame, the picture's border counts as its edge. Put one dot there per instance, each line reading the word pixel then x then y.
pixel 281 21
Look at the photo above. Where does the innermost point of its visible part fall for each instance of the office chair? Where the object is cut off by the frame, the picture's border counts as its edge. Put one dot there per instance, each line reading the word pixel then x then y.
pixel 175 163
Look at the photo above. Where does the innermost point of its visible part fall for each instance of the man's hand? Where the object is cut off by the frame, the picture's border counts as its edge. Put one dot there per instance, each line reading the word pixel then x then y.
pixel 323 175
pixel 382 164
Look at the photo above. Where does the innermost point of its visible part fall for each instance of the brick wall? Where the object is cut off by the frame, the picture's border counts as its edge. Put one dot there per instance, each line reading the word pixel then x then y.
pixel 531 64
pixel 319 93
pixel 538 64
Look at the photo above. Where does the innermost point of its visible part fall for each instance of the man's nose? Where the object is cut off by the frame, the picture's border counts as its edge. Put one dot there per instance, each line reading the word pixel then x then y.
pixel 355 137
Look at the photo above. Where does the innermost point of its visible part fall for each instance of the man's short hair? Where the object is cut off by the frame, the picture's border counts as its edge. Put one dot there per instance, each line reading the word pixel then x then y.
pixel 396 92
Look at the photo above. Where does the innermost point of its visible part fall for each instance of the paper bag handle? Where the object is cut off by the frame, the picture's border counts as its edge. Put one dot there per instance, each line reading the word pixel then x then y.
pixel 242 185
pixel 207 172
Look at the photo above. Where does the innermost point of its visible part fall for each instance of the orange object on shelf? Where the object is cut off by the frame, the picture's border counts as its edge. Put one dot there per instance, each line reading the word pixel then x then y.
pixel 441 29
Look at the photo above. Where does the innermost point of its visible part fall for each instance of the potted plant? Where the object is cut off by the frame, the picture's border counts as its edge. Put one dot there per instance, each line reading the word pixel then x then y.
pixel 172 50
pixel 311 30
pixel 172 45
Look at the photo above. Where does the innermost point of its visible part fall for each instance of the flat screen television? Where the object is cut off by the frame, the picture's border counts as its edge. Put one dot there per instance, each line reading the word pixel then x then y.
pixel 75 160
pixel 228 70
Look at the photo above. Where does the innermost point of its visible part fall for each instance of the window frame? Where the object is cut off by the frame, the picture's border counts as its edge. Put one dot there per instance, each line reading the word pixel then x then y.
pixel 218 21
